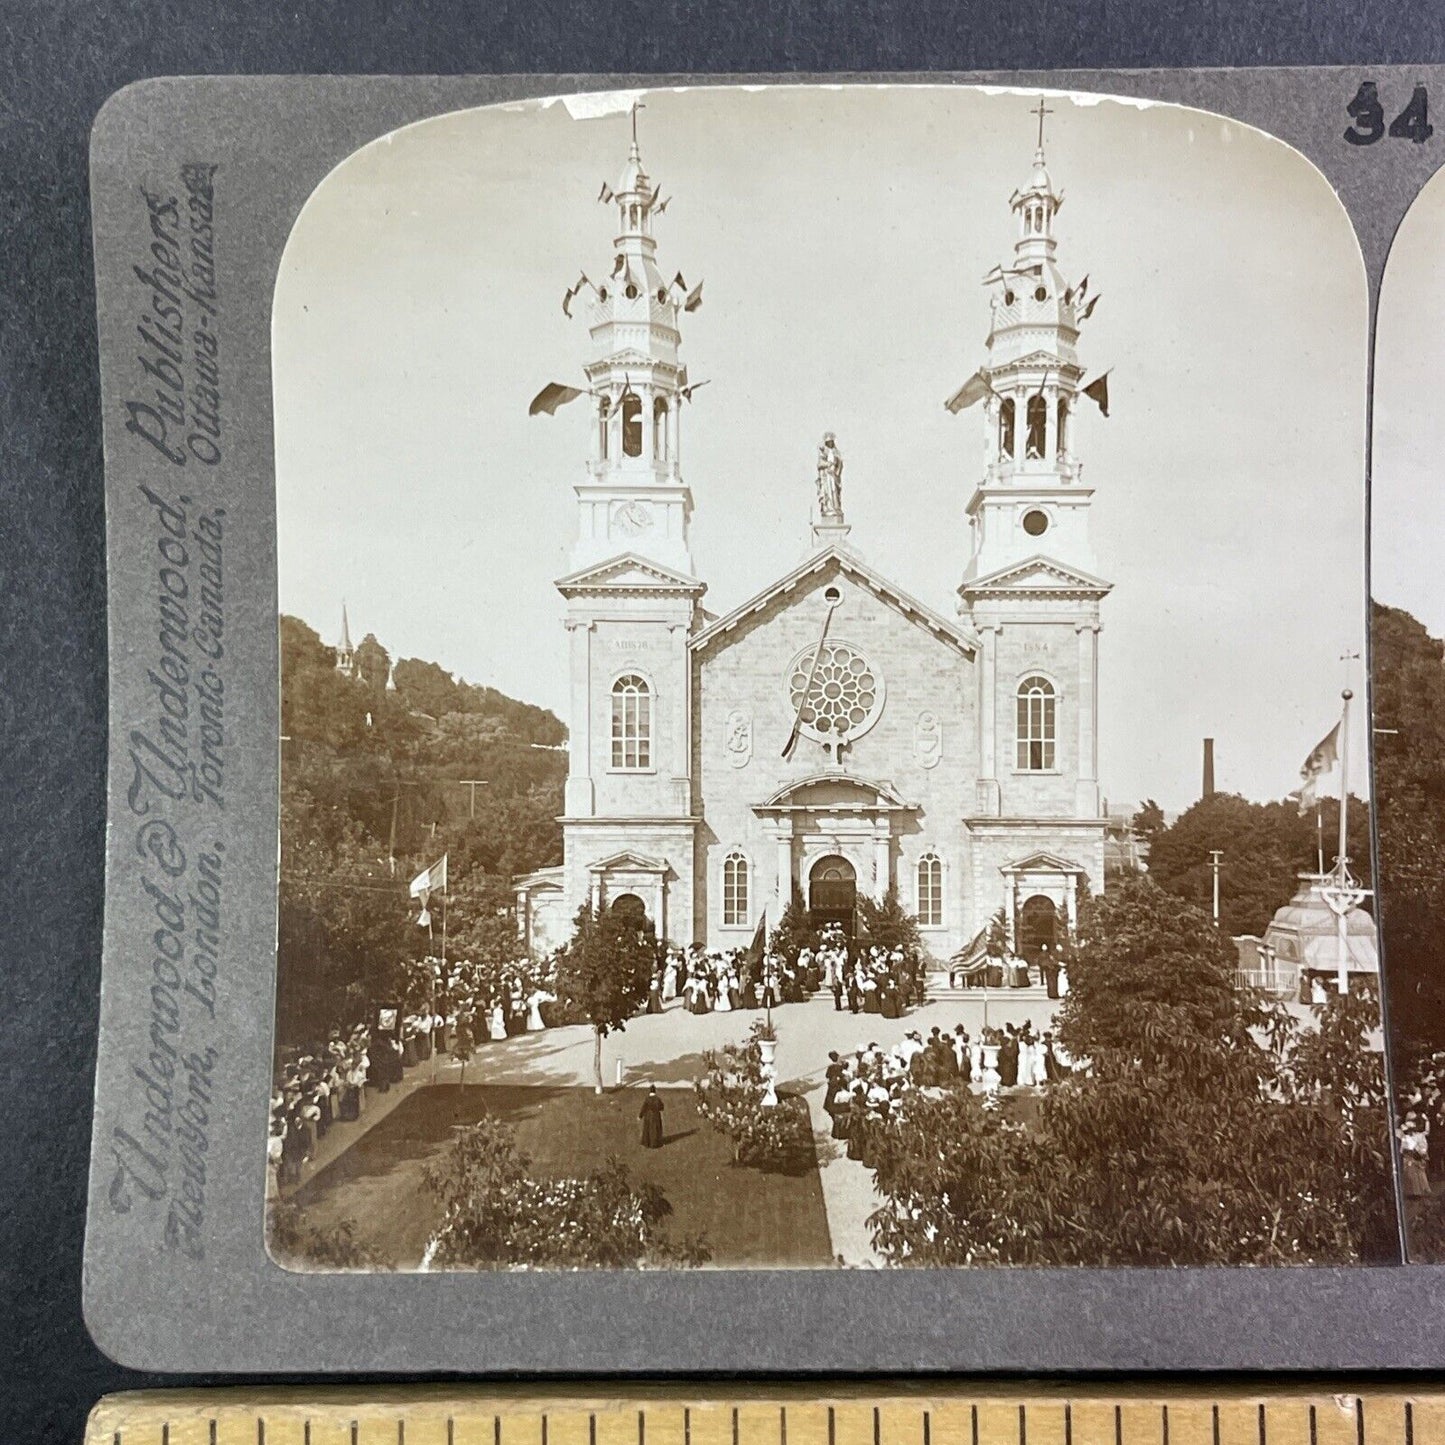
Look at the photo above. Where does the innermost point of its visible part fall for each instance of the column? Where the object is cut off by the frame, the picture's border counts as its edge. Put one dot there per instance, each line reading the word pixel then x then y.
pixel 1071 903
pixel 580 798
pixel 784 840
pixel 988 790
pixel 882 858
pixel 1086 790
pixel 1012 908
pixel 680 766
pixel 1051 424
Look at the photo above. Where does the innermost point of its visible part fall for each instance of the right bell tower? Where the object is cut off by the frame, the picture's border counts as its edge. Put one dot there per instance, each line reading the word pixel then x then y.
pixel 1030 587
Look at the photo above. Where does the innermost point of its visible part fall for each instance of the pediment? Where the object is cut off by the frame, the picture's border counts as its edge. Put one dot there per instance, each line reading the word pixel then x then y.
pixel 1043 862
pixel 629 573
pixel 628 861
pixel 822 791
pixel 1039 574
pixel 831 561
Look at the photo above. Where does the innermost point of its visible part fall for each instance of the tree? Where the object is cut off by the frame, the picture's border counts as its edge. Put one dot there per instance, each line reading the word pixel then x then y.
pixel 1207 1128
pixel 495 1215
pixel 464 1044
pixel 888 924
pixel 604 971
pixel 1147 822
pixel 1150 980
pixel 1409 719
pixel 794 932
pixel 1266 846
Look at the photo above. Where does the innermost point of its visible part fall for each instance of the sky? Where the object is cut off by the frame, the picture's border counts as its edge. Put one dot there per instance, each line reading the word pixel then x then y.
pixel 1407 515
pixel 842 234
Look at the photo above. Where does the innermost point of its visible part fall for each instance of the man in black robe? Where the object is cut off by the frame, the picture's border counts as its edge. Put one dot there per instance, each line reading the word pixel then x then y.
pixel 651 1116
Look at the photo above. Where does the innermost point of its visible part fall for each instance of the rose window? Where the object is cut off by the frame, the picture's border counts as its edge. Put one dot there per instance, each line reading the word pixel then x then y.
pixel 837 699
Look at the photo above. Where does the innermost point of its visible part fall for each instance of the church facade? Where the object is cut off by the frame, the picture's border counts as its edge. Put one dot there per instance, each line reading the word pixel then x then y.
pixel 834 734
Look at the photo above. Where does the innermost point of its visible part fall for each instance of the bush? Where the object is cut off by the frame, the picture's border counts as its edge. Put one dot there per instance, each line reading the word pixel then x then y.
pixel 777 1139
pixel 494 1215
pixel 297 1243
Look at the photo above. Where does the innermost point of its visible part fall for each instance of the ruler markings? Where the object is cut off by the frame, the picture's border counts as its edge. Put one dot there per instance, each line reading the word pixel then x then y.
pixel 1158 1416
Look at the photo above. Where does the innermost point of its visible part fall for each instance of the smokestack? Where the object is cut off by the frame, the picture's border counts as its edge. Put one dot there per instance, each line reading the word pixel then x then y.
pixel 1208 768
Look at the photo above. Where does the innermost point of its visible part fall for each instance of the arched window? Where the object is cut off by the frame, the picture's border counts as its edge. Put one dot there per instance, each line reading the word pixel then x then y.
pixel 1063 427
pixel 930 890
pixel 1038 419
pixel 631 723
pixel 659 429
pixel 1006 428
pixel 1036 725
pixel 735 890
pixel 631 423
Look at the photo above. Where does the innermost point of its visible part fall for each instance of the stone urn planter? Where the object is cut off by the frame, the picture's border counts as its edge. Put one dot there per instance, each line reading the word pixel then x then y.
pixel 991 1077
pixel 769 1049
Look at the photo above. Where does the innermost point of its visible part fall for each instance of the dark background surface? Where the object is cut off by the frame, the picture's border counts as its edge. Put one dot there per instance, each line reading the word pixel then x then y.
pixel 58 63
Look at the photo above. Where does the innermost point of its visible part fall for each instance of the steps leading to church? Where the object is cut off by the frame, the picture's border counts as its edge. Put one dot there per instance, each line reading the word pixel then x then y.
pixel 944 993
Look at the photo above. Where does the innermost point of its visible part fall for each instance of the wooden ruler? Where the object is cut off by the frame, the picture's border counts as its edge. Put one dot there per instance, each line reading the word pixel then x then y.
pixel 802 1414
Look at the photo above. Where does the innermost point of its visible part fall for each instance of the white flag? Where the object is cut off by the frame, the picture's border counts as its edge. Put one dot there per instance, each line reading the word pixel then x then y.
pixel 429 879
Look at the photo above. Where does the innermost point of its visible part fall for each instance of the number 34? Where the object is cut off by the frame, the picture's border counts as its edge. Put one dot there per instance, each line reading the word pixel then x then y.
pixel 1412 123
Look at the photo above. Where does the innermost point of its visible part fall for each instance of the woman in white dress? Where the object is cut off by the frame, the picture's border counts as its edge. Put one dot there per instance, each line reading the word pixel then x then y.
pixel 497 1025
pixel 669 980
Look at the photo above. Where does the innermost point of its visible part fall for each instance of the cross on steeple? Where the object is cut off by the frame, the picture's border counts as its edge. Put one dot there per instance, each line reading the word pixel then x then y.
pixel 1041 112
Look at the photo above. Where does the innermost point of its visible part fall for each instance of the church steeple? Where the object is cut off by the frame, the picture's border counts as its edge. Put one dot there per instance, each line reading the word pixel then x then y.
pixel 345 653
pixel 632 497
pixel 1032 499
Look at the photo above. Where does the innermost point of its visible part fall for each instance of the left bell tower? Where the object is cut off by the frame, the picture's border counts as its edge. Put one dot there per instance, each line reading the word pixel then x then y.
pixel 633 601
pixel 632 497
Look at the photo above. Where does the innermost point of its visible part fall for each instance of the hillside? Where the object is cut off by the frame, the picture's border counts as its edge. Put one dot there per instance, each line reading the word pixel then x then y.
pixel 376 784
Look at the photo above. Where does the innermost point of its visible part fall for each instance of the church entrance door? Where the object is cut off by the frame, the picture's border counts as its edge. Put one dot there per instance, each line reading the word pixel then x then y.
pixel 1038 929
pixel 630 907
pixel 833 894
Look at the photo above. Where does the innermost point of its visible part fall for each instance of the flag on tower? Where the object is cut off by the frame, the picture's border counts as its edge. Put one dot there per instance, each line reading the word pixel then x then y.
pixel 694 298
pixel 1321 760
pixel 606 193
pixel 551 396
pixel 1088 311
pixel 970 393
pixel 1098 392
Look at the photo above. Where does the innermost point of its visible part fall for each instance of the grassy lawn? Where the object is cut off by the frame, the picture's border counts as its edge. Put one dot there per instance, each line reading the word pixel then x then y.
pixel 749 1218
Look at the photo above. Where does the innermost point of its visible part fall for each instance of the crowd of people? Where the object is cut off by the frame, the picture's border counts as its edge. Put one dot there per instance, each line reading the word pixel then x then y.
pixel 456 1007
pixel 867 1089
pixel 720 982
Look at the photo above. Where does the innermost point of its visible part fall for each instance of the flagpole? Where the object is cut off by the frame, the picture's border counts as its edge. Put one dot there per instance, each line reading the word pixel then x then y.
pixel 1346 695
pixel 1341 932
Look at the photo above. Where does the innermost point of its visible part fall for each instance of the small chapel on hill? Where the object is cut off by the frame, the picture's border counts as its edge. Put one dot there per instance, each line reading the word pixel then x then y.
pixel 835 734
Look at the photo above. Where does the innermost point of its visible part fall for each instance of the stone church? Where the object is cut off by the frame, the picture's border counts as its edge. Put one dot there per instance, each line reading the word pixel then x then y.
pixel 833 735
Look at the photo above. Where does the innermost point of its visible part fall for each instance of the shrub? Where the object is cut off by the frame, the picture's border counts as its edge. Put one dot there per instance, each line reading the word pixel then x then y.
pixel 494 1215
pixel 777 1139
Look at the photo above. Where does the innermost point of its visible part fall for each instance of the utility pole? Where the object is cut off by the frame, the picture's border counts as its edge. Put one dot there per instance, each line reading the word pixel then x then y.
pixel 1215 855
pixel 473 784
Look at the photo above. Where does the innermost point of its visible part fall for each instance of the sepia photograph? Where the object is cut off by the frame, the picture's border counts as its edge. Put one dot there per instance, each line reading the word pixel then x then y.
pixel 1407 622
pixel 823 693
